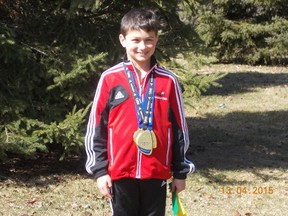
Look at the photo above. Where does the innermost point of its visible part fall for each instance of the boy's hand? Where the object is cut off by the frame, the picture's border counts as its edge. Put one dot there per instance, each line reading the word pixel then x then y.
pixel 178 185
pixel 104 185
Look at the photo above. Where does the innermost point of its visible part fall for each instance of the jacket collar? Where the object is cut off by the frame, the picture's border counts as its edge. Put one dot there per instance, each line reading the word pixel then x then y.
pixel 153 61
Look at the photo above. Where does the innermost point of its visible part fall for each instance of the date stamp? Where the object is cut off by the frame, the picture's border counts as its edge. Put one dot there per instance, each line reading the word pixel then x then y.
pixel 239 190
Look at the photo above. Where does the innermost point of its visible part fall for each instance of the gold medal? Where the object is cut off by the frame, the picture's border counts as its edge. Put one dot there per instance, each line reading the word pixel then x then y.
pixel 154 139
pixel 144 142
pixel 136 134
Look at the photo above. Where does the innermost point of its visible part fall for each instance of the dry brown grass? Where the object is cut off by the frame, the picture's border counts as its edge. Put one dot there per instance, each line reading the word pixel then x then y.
pixel 239 136
pixel 239 140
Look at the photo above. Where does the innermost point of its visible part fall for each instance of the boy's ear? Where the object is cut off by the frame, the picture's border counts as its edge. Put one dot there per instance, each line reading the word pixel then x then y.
pixel 157 38
pixel 122 40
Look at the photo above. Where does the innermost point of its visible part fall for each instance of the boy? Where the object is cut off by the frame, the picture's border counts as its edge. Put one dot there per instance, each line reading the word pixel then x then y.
pixel 137 135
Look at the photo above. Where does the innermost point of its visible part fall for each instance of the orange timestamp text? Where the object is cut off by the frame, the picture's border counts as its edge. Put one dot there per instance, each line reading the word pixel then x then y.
pixel 255 190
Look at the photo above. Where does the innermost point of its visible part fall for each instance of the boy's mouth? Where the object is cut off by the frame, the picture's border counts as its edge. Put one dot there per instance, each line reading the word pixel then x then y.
pixel 142 53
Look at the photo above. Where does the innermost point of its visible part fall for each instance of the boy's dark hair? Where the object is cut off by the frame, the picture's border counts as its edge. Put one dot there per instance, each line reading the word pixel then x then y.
pixel 139 19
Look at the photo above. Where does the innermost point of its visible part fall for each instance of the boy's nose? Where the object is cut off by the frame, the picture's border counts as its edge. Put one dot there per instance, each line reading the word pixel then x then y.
pixel 142 45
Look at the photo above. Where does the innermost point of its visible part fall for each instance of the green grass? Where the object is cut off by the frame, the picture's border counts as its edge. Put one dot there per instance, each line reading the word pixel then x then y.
pixel 239 142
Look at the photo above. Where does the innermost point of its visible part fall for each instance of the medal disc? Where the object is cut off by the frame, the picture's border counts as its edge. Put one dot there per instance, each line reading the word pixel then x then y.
pixel 136 134
pixel 144 142
pixel 154 139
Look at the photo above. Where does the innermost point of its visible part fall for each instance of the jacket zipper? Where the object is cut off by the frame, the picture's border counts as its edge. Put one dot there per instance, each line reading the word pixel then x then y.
pixel 141 88
pixel 111 145
pixel 168 147
pixel 138 167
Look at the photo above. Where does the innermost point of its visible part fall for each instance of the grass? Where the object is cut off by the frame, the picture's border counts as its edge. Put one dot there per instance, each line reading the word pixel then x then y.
pixel 239 144
pixel 240 137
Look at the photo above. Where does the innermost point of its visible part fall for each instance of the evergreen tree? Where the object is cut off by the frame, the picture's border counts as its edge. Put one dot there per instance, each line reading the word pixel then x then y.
pixel 244 31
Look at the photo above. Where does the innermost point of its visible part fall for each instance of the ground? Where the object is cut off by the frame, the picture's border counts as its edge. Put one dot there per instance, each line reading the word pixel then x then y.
pixel 239 144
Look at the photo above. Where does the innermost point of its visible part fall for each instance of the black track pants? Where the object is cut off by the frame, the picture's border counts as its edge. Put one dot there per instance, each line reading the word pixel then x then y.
pixel 135 197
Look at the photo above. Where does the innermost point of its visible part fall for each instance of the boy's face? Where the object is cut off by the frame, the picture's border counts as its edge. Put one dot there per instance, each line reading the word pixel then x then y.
pixel 140 45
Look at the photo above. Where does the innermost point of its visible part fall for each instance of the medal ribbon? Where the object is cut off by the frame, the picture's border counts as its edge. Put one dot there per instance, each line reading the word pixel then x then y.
pixel 144 118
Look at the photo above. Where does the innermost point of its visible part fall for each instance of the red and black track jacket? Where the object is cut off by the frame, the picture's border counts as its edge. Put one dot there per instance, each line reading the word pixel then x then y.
pixel 113 120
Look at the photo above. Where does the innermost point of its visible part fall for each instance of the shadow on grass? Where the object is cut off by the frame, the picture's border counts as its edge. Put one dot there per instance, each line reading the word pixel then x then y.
pixel 240 141
pixel 43 171
pixel 237 141
pixel 243 82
